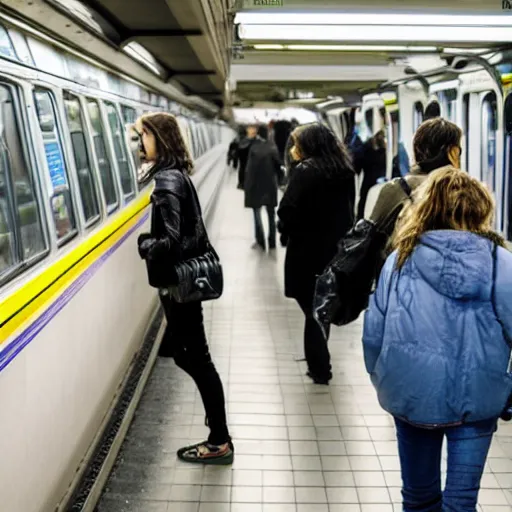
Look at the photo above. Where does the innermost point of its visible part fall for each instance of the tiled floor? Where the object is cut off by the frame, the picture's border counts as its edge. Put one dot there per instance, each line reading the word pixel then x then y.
pixel 299 447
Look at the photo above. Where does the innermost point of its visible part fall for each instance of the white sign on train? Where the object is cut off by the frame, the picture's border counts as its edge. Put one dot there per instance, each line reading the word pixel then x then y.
pixel 263 3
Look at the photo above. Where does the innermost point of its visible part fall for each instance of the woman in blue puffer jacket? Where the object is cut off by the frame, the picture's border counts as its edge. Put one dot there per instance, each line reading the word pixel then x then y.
pixel 437 339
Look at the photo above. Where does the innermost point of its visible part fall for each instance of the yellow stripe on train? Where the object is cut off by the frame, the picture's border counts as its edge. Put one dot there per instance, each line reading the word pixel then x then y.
pixel 34 294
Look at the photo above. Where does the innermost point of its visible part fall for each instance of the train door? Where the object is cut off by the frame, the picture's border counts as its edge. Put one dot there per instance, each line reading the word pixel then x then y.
pixel 507 178
pixel 376 118
pixel 443 100
pixel 482 122
pixel 412 99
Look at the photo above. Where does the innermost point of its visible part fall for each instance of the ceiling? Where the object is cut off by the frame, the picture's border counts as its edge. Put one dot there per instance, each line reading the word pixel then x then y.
pixel 196 49
pixel 305 66
pixel 188 39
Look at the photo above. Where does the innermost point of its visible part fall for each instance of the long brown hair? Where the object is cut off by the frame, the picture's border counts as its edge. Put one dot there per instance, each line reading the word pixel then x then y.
pixel 316 143
pixel 171 149
pixel 448 199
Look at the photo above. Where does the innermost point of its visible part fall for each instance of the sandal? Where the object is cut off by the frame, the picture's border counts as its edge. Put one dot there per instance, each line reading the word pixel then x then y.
pixel 206 453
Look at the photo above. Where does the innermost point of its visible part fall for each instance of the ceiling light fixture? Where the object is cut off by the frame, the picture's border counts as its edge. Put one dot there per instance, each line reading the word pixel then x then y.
pixel 269 47
pixel 337 18
pixel 454 34
pixel 367 48
pixel 466 50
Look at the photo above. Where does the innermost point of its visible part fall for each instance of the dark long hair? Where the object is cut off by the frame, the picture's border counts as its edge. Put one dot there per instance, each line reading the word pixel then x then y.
pixel 171 149
pixel 317 144
pixel 432 142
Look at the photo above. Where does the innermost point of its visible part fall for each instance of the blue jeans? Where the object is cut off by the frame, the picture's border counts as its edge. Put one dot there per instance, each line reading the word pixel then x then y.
pixel 420 459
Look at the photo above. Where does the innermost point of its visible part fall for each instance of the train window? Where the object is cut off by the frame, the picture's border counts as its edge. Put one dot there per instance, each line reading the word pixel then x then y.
pixel 129 117
pixel 129 114
pixel 121 154
pixel 368 115
pixel 448 99
pixel 8 250
pixel 488 141
pixel 61 200
pixel 21 47
pixel 86 181
pixel 6 46
pixel 21 230
pixel 104 164
pixel 417 115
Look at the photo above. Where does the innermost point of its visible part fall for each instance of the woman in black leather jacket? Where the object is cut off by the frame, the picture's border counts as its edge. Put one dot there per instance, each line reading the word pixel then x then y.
pixel 175 237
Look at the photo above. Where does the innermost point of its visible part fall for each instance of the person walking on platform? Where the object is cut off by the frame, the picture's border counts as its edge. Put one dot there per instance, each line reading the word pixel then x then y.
pixel 317 209
pixel 436 144
pixel 243 153
pixel 262 179
pixel 178 234
pixel 437 340
pixel 371 159
pixel 233 158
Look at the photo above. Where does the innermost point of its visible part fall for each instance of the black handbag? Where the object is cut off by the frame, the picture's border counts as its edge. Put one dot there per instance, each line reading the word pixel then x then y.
pixel 200 278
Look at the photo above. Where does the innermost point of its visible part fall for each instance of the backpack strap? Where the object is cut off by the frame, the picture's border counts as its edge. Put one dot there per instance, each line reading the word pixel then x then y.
pixel 405 187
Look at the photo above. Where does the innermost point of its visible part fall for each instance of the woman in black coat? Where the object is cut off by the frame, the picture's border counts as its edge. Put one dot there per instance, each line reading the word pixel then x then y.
pixel 177 235
pixel 315 212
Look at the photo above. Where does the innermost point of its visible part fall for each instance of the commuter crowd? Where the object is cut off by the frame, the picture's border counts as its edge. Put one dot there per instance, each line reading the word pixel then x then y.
pixel 422 262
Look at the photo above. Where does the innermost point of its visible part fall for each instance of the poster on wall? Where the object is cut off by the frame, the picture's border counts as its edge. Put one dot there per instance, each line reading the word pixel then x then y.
pixel 56 166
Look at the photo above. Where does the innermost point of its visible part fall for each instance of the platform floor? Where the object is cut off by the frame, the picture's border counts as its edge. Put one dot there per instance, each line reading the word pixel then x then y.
pixel 299 447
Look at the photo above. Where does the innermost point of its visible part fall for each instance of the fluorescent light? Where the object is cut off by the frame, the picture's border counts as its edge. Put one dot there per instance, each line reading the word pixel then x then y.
pixel 337 18
pixel 375 33
pixel 345 48
pixel 369 48
pixel 269 47
pixel 466 50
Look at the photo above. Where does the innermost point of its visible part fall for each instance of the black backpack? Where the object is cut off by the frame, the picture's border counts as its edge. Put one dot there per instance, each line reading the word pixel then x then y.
pixel 343 289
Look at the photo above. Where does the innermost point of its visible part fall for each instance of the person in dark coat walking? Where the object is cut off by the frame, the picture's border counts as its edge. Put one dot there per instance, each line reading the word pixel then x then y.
pixel 371 159
pixel 282 130
pixel 233 158
pixel 316 211
pixel 262 179
pixel 243 153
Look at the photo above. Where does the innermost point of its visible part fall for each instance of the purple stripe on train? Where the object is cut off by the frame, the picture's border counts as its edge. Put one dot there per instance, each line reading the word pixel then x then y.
pixel 8 354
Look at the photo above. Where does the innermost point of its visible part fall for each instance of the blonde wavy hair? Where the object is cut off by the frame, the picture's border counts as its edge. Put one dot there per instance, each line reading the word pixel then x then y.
pixel 448 199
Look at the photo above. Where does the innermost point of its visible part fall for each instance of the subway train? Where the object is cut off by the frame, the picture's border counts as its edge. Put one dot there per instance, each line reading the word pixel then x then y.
pixel 74 300
pixel 475 92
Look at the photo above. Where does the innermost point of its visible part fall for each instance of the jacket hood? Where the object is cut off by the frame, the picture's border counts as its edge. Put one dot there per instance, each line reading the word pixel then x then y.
pixel 457 264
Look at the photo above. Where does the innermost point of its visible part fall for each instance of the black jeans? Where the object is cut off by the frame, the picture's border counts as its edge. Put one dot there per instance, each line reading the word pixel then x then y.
pixel 258 227
pixel 241 175
pixel 185 341
pixel 315 345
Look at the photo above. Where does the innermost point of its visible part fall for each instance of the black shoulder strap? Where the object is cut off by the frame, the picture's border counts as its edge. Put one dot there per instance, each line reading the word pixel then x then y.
pixel 405 187
pixel 198 212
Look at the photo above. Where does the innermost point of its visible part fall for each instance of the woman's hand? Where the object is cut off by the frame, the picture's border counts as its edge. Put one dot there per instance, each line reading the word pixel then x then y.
pixel 145 242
